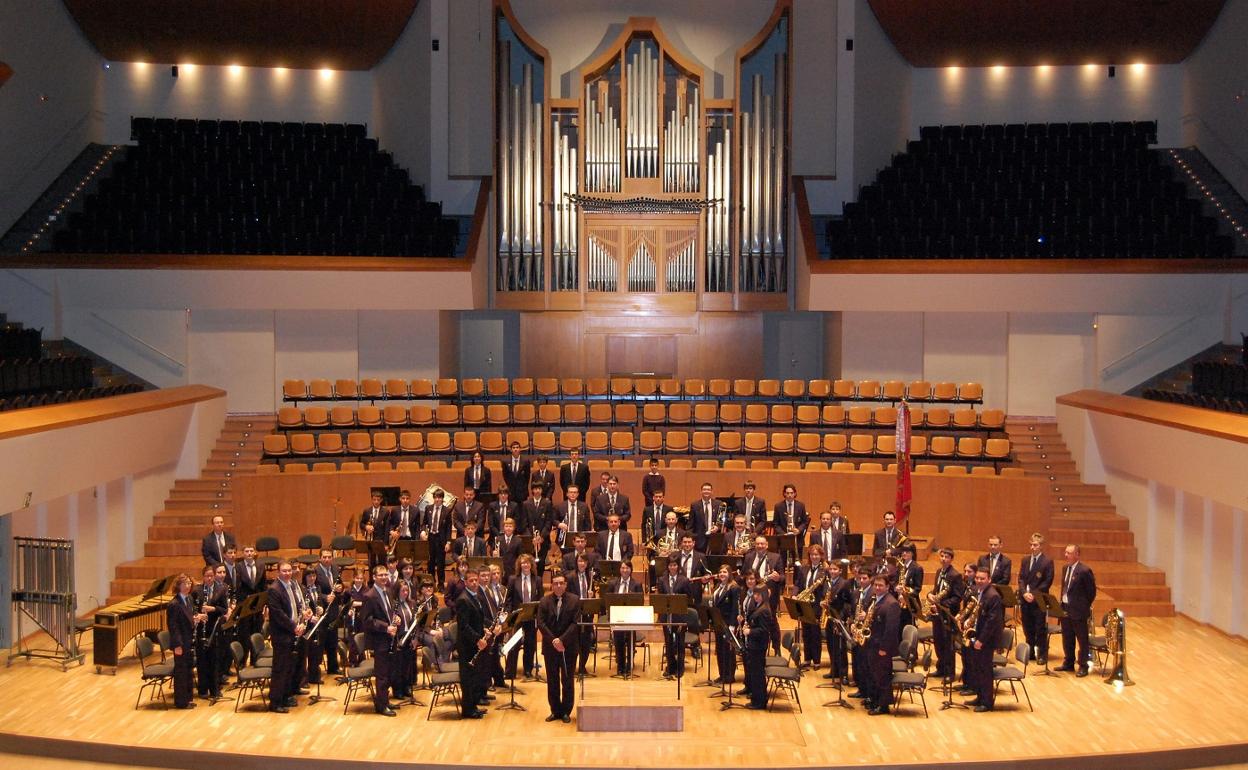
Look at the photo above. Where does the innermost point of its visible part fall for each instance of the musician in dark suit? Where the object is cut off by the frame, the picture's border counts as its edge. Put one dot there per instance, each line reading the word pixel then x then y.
pixel 327 575
pixel 557 616
pixel 469 544
pixel 539 519
pixel 591 497
pixel 839 594
pixel 544 477
pixel 910 577
pixel 213 602
pixel 624 640
pixel 500 510
pixel 726 597
pixel 704 516
pixel 769 567
pixel 375 526
pixel 1035 576
pixel 652 482
pixel 861 594
pixel 758 629
pixel 998 564
pixel 376 620
pixel 573 515
pixel 581 581
pixel 950 588
pixel 524 588
pixel 812 576
pixel 494 591
pixel 655 515
pixel 882 645
pixel 249 579
pixel 573 473
pixel 693 566
pixel 840 522
pixel 989 625
pixel 1078 592
pixel 614 544
pixel 471 623
pixel 516 470
pixel 752 507
pixel 180 618
pixel 828 536
pixel 477 476
pixel 286 622
pixel 467 509
pixel 509 546
pixel 790 513
pixel 887 538
pixel 579 551
pixel 404 519
pixel 612 501
pixel 673 636
pixel 216 543
pixel 435 526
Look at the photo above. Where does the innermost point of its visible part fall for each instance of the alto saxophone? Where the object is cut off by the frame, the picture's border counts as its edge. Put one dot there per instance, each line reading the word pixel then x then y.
pixel 808 594
pixel 860 630
pixel 931 602
pixel 968 618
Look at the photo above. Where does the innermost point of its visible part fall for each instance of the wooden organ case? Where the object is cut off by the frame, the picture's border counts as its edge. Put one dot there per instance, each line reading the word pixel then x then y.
pixel 642 193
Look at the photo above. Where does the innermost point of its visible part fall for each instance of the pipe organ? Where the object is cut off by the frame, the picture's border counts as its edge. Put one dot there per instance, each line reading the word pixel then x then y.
pixel 641 182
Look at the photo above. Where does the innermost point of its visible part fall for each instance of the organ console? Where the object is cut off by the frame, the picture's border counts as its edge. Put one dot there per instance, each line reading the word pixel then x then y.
pixel 641 181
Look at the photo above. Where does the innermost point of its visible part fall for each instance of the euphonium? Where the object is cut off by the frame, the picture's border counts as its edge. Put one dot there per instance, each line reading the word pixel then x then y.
pixel 741 544
pixel 1115 623
pixel 666 544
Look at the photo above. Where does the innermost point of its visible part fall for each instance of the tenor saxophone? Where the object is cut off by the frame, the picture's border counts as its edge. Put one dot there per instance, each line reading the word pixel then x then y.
pixel 860 630
pixel 968 618
pixel 808 594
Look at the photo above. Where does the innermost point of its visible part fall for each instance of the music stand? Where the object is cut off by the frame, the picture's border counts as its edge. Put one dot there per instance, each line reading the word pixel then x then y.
pixel 725 687
pixel 591 608
pixel 159 587
pixel 838 627
pixel 631 599
pixel 715 542
pixel 1050 606
pixel 673 605
pixel 608 569
pixel 853 544
pixel 523 614
pixel 704 618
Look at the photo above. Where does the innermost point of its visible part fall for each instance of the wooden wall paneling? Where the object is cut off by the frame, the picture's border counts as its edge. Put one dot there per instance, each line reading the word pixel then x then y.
pixel 551 345
pixel 654 353
pixel 960 512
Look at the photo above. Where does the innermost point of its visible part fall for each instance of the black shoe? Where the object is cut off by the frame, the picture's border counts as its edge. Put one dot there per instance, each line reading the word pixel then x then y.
pixel 488 698
pixel 1081 673
pixel 878 710
pixel 565 719
pixel 975 702
pixel 290 702
pixel 1064 667
pixel 829 675
pixel 981 708
pixel 279 709
pixel 743 693
pixel 187 705
pixel 553 718
pixel 474 714
pixel 966 691
pixel 756 708
pixel 388 713
pixel 857 694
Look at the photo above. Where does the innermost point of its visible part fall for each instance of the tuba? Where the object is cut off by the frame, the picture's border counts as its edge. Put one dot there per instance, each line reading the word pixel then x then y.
pixel 1115 622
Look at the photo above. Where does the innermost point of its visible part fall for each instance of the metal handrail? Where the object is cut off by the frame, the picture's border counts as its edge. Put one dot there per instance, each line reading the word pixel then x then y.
pixel 1192 117
pixel 1162 336
pixel 139 340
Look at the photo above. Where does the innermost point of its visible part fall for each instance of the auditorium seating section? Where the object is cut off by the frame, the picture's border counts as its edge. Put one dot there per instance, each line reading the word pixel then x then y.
pixel 27 378
pixel 229 187
pixel 815 423
pixel 1220 385
pixel 1038 190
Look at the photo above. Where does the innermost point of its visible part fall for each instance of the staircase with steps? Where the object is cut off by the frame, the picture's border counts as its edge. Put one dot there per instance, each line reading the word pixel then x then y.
pixel 1084 514
pixel 173 539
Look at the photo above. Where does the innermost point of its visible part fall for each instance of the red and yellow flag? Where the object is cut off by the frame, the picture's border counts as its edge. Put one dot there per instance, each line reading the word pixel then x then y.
pixel 904 494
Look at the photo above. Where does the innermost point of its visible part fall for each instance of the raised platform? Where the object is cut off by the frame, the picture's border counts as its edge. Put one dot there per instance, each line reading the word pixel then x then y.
pixel 1167 720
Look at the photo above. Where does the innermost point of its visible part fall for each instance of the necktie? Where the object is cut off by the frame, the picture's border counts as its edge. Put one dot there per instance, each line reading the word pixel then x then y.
pixel 623 586
pixel 558 608
pixel 1070 576
pixel 993 568
pixel 476 475
pixel 572 516
pixel 524 583
pixel 706 507
pixel 790 521
pixel 437 510
pixel 470 553
pixel 689 566
pixel 827 543
pixel 615 554
pixel 294 605
pixel 515 465
pixel 220 547
pixel 583 591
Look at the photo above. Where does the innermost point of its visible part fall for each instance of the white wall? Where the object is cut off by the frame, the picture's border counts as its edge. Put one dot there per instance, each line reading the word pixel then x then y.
pixel 1048 354
pixel 48 107
pixel 231 93
pixel 963 95
pixel 1184 494
pixel 103 498
pixel 401 97
pixel 1215 111
pixel 882 346
pixel 884 86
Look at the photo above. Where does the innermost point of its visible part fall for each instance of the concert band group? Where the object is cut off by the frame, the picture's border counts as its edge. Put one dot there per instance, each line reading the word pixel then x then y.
pixel 519 565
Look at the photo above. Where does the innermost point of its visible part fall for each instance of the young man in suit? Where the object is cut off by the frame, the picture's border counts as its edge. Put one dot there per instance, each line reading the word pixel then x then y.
pixel 435 527
pixel 180 618
pixel 375 527
pixel 213 603
pixel 769 567
pixel 574 473
pixel 557 616
pixel 806 577
pixel 471 624
pixel 652 482
pixel 752 507
pixel 887 538
pixel 614 544
pixel 286 623
pixel 477 476
pixel 1078 593
pixel 987 636
pixel 829 537
pixel 509 547
pixel 882 645
pixel 539 519
pixel 726 597
pixel 579 551
pixel 950 588
pixel 404 518
pixel 376 620
pixel 671 584
pixel 612 501
pixel 469 508
pixel 1035 577
pixel 524 588
pixel 704 516
pixel 909 578
pixel 516 470
pixel 624 640
pixel 581 581
pixel 791 513
pixel 544 477
pixel 500 510
pixel 998 564
pixel 250 580
pixel 216 543
pixel 469 545
pixel 840 607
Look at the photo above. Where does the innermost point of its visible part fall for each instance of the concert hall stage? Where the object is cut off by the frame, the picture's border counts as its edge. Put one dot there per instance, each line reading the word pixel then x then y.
pixel 1182 712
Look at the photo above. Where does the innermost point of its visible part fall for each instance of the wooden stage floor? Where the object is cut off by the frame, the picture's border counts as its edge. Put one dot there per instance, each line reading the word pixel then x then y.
pixel 1182 712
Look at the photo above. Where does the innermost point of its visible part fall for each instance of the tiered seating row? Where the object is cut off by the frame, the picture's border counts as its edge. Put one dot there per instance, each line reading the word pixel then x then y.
pixel 628 389
pixel 624 443
pixel 654 415
pixel 686 463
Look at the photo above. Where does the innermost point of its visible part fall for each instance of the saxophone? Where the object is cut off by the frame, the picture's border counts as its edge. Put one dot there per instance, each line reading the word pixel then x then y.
pixel 860 630
pixel 808 594
pixel 968 618
pixel 931 602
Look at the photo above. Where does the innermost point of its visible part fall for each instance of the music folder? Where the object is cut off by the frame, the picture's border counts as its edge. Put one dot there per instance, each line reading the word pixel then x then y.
pixel 624 617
